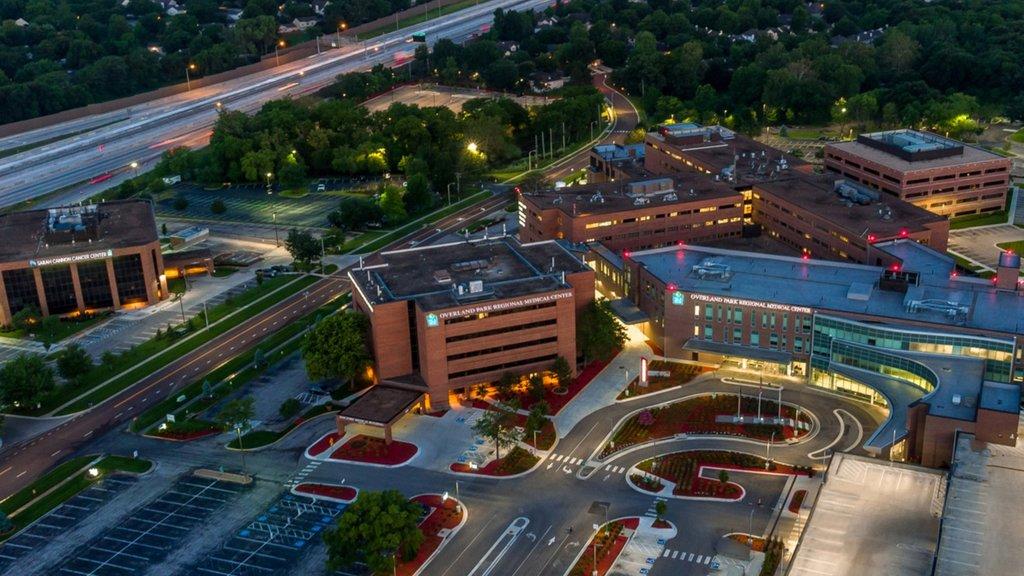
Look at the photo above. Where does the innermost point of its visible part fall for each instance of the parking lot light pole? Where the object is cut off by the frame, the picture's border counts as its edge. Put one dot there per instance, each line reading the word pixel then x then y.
pixel 450 193
pixel 277 239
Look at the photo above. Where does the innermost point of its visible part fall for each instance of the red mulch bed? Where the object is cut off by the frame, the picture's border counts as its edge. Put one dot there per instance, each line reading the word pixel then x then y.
pixel 661 524
pixel 329 490
pixel 442 515
pixel 683 468
pixel 438 414
pixel 517 461
pixel 758 543
pixel 324 443
pixel 697 416
pixel 797 501
pixel 655 348
pixel 372 450
pixel 611 543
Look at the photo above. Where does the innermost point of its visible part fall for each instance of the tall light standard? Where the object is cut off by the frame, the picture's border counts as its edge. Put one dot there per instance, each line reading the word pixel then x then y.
pixel 458 184
pixel 277 56
pixel 269 175
pixel 450 193
pixel 135 169
pixel 188 79
pixel 342 26
pixel 277 240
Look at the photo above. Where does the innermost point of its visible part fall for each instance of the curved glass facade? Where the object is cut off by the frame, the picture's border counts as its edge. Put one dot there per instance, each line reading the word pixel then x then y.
pixel 832 336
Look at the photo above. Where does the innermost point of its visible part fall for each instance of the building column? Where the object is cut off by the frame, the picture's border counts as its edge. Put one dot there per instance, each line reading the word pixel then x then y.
pixel 387 434
pixel 77 283
pixel 113 285
pixel 149 274
pixel 40 292
pixel 341 425
pixel 5 306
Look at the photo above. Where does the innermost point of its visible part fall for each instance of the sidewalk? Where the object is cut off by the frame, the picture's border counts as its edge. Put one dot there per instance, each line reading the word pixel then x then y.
pixel 644 548
pixel 605 387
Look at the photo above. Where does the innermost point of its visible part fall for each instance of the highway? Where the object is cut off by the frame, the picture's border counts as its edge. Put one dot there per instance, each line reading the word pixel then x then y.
pixel 111 142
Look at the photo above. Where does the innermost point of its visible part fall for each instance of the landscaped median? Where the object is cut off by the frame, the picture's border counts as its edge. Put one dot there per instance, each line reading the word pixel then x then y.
pixel 202 394
pixel 60 484
pixel 444 517
pixel 704 474
pixel 330 492
pixel 606 545
pixel 517 461
pixel 127 368
pixel 663 375
pixel 362 449
pixel 708 414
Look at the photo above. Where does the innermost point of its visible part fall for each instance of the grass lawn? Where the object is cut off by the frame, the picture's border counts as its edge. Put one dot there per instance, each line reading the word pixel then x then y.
pixel 965 263
pixel 419 18
pixel 294 193
pixel 154 354
pixel 66 327
pixel 224 271
pixel 1016 247
pixel 978 220
pixel 258 438
pixel 377 239
pixel 1018 136
pixel 80 480
pixel 330 269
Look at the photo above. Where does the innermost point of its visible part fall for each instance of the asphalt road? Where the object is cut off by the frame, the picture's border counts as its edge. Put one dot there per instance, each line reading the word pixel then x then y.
pixel 152 128
pixel 24 462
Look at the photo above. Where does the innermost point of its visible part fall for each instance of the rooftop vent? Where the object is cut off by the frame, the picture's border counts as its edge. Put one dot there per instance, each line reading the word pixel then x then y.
pixel 442 277
pixel 945 307
pixel 470 265
pixel 670 197
pixel 856 194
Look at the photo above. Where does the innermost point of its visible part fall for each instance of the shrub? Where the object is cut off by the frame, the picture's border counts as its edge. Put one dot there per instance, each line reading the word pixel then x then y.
pixel 645 418
pixel 218 207
pixel 289 408
pixel 180 203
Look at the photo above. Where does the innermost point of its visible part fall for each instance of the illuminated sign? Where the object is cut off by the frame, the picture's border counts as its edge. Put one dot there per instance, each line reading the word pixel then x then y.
pixel 506 305
pixel 754 303
pixel 643 371
pixel 678 298
pixel 432 320
pixel 99 255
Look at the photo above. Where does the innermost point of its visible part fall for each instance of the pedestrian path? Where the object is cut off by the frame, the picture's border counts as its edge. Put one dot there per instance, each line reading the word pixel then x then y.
pixel 300 476
pixel 684 556
pixel 652 509
pixel 562 458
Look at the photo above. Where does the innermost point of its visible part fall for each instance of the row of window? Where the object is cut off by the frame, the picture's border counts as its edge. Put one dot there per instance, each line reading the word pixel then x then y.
pixel 482 315
pixel 731 315
pixel 59 289
pixel 505 366
pixel 503 348
pixel 738 337
pixel 503 330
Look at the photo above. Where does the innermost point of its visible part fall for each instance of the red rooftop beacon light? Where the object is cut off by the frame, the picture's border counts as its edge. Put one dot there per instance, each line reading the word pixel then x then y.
pixel 904 233
pixel 872 238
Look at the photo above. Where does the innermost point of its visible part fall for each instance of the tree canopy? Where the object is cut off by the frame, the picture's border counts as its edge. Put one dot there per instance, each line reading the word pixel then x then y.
pixel 598 333
pixel 336 347
pixel 374 529
pixel 24 380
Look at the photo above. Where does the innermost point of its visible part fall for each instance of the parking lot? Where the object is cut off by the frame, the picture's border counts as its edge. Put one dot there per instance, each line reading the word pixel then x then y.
pixel 151 533
pixel 250 203
pixel 979 244
pixel 62 519
pixel 273 541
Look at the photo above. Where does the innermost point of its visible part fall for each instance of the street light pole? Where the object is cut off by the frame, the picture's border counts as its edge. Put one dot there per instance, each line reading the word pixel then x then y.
pixel 449 191
pixel 277 240
pixel 322 253
pixel 188 79
pixel 458 184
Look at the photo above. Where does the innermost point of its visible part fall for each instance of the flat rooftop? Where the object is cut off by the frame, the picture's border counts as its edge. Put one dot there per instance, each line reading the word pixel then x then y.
pixel 468 272
pixel 66 231
pixel 982 519
pixel 844 287
pixel 632 195
pixel 872 517
pixel 615 152
pixel 733 157
pixel 886 216
pixel 381 405
pixel 910 150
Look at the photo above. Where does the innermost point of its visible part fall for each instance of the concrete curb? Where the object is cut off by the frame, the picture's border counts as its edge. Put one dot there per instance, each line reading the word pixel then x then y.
pixel 667 493
pixel 583 548
pixel 283 436
pixel 446 539
pixel 294 490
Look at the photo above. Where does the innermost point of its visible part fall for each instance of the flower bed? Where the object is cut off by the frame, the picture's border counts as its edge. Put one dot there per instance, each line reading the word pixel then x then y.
pixel 441 515
pixel 697 416
pixel 558 400
pixel 684 469
pixel 647 482
pixel 516 461
pixel 797 501
pixel 370 450
pixel 755 543
pixel 323 444
pixel 679 374
pixel 609 541
pixel 335 491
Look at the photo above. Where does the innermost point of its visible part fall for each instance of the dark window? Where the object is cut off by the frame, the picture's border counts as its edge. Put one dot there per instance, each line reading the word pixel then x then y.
pixel 59 289
pixel 515 364
pixel 131 284
pixel 481 316
pixel 494 331
pixel 92 276
pixel 20 286
pixel 506 347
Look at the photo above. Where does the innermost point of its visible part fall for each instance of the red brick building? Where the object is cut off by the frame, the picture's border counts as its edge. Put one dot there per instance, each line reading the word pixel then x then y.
pixel 942 175
pixel 633 215
pixel 78 259
pixel 447 317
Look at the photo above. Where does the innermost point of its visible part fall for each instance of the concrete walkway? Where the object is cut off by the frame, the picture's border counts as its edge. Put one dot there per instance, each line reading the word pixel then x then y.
pixel 606 386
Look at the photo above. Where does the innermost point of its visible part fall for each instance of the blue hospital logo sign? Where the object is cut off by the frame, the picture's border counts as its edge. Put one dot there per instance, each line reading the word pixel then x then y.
pixel 431 320
pixel 678 298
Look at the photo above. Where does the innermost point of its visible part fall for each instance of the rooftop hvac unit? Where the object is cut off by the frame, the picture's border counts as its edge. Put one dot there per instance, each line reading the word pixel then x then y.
pixel 476 286
pixel 670 197
pixel 641 201
pixel 712 268
pixel 597 198
pixel 945 307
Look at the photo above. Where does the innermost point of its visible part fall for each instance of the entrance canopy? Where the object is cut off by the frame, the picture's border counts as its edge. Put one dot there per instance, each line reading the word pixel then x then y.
pixel 381 405
pixel 750 352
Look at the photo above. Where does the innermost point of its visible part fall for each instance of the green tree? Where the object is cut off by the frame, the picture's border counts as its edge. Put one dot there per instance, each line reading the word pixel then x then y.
pixel 723 477
pixel 336 347
pixel 24 380
pixel 536 388
pixel 498 426
pixel 506 384
pixel 537 418
pixel 238 415
pixel 660 508
pixel 598 333
pixel 46 330
pixel 392 206
pixel 289 408
pixel 73 362
pixel 375 529
pixel 302 246
pixel 563 371
pixel 417 196
pixel 25 318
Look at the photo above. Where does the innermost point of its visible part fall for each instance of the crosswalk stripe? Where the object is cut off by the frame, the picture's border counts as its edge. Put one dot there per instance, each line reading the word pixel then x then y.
pixel 707 560
pixel 667 551
pixel 675 554
pixel 558 457
pixel 690 559
pixel 650 514
pixel 609 467
pixel 700 559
